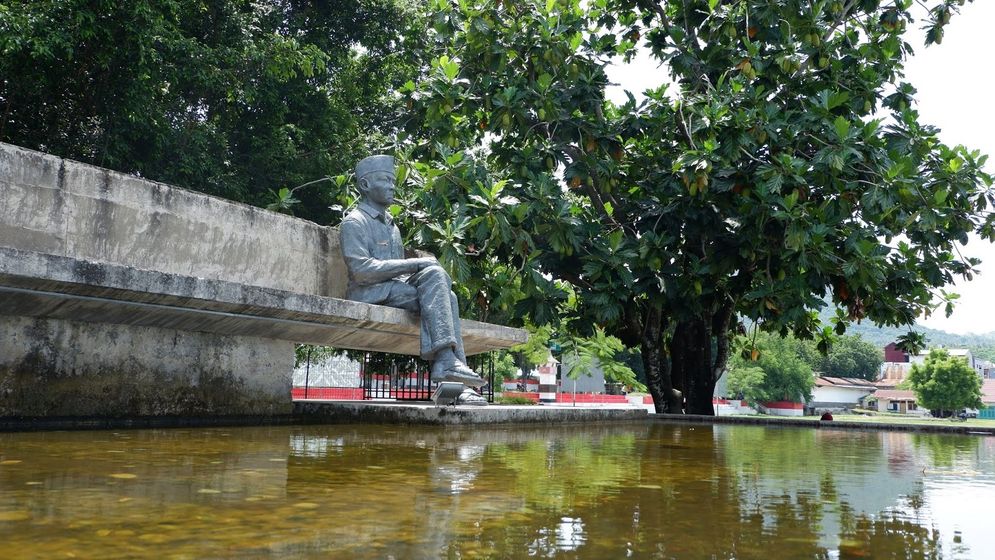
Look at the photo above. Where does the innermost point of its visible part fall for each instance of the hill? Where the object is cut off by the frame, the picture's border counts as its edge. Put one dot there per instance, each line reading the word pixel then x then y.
pixel 981 345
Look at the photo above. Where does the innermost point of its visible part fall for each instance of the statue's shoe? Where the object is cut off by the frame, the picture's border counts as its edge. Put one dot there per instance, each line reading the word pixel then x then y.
pixel 470 397
pixel 456 371
pixel 469 379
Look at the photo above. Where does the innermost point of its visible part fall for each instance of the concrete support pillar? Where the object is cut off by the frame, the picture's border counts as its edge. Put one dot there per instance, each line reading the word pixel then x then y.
pixel 54 367
pixel 547 381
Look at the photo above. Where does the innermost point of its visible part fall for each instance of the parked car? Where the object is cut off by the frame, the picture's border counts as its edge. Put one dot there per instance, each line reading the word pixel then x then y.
pixel 968 413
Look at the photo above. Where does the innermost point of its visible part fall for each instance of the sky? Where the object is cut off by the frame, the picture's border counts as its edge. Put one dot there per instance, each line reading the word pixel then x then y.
pixel 956 93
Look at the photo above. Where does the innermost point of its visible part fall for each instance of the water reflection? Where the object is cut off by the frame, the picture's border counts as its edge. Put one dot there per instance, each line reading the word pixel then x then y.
pixel 645 490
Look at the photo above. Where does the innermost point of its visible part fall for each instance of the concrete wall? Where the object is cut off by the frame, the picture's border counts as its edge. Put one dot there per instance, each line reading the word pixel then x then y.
pixel 61 207
pixel 591 380
pixel 65 368
pixel 60 367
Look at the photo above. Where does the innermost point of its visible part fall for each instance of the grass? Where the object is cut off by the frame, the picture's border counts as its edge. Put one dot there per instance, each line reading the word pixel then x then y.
pixel 895 419
pixel 513 400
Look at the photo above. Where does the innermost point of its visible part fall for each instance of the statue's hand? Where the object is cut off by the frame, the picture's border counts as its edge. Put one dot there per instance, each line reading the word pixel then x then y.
pixel 425 262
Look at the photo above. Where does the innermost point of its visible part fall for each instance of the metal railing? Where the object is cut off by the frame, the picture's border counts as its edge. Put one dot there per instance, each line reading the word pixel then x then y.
pixel 406 378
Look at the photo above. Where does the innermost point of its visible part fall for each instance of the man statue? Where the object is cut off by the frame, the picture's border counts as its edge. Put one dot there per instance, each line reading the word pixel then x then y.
pixel 379 274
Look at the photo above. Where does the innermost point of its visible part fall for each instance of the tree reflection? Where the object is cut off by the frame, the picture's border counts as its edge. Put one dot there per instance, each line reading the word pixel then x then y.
pixel 887 536
pixel 945 450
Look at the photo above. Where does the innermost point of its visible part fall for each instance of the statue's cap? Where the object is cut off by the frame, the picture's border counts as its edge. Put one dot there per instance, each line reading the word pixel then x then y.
pixel 373 164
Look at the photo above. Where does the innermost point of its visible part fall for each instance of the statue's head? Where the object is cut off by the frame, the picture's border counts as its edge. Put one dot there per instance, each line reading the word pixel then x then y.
pixel 375 179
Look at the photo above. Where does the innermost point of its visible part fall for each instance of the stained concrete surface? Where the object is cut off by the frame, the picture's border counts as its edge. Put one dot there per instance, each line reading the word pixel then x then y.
pixel 68 368
pixel 389 412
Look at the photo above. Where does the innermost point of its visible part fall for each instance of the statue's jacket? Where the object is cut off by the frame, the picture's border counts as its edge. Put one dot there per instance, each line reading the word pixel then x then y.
pixel 373 252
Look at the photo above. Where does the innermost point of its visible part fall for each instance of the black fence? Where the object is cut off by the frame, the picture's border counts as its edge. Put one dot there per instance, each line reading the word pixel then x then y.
pixel 406 378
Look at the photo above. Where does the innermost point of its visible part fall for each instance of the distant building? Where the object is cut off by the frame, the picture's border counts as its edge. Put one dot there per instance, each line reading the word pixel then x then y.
pixel 895 400
pixel 839 393
pixel 894 354
pixel 987 397
pixel 898 363
pixel 984 368
pixel 895 367
pixel 954 353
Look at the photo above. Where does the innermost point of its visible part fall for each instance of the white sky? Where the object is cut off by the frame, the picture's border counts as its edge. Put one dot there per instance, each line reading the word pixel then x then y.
pixel 956 83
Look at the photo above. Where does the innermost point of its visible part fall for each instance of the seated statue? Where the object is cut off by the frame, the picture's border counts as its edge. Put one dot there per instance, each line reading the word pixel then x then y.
pixel 379 274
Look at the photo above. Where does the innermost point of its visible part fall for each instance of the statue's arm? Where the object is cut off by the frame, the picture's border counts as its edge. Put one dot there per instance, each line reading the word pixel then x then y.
pixel 363 267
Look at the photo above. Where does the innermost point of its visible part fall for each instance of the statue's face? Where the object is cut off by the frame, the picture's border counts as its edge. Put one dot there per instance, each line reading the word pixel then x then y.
pixel 380 188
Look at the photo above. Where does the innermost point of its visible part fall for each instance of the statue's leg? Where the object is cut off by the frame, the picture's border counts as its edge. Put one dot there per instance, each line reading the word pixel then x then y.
pixel 457 328
pixel 441 340
pixel 434 289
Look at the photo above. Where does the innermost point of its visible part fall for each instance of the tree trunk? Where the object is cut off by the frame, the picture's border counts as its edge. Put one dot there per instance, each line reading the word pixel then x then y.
pixel 701 364
pixel 679 358
pixel 657 367
pixel 696 347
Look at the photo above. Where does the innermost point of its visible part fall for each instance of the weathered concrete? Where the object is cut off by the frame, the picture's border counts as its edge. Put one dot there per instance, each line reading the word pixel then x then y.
pixel 202 296
pixel 60 207
pixel 395 413
pixel 67 368
pixel 42 285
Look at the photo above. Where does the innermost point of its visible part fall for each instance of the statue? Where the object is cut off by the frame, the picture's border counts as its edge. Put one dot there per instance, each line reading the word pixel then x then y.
pixel 379 274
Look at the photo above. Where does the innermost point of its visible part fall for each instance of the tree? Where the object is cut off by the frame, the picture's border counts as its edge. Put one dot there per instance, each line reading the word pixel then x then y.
pixel 748 383
pixel 236 99
pixel 533 353
pixel 783 373
pixel 944 383
pixel 759 186
pixel 850 356
pixel 504 366
pixel 600 350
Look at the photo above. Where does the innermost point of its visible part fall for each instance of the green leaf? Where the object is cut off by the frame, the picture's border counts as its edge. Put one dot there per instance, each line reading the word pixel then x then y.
pixel 837 99
pixel 575 41
pixel 842 127
pixel 448 67
pixel 712 4
pixel 543 81
pixel 940 196
pixel 615 239
pixel 790 200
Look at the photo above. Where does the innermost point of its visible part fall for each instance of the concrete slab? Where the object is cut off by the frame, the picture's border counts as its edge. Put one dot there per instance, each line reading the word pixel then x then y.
pixel 390 412
pixel 41 285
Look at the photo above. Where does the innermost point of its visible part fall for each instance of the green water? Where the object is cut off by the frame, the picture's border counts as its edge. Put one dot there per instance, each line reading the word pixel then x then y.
pixel 640 490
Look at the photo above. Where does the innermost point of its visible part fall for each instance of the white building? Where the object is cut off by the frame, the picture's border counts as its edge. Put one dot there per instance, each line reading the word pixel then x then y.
pixel 839 393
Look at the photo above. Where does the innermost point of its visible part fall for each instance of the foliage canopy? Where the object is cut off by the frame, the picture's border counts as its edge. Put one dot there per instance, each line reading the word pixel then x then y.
pixel 778 373
pixel 780 165
pixel 945 383
pixel 849 356
pixel 236 99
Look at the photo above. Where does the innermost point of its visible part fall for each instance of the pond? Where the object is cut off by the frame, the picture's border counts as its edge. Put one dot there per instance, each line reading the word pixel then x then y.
pixel 645 490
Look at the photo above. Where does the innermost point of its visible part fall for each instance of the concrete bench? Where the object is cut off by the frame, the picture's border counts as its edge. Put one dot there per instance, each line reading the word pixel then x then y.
pixel 122 296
